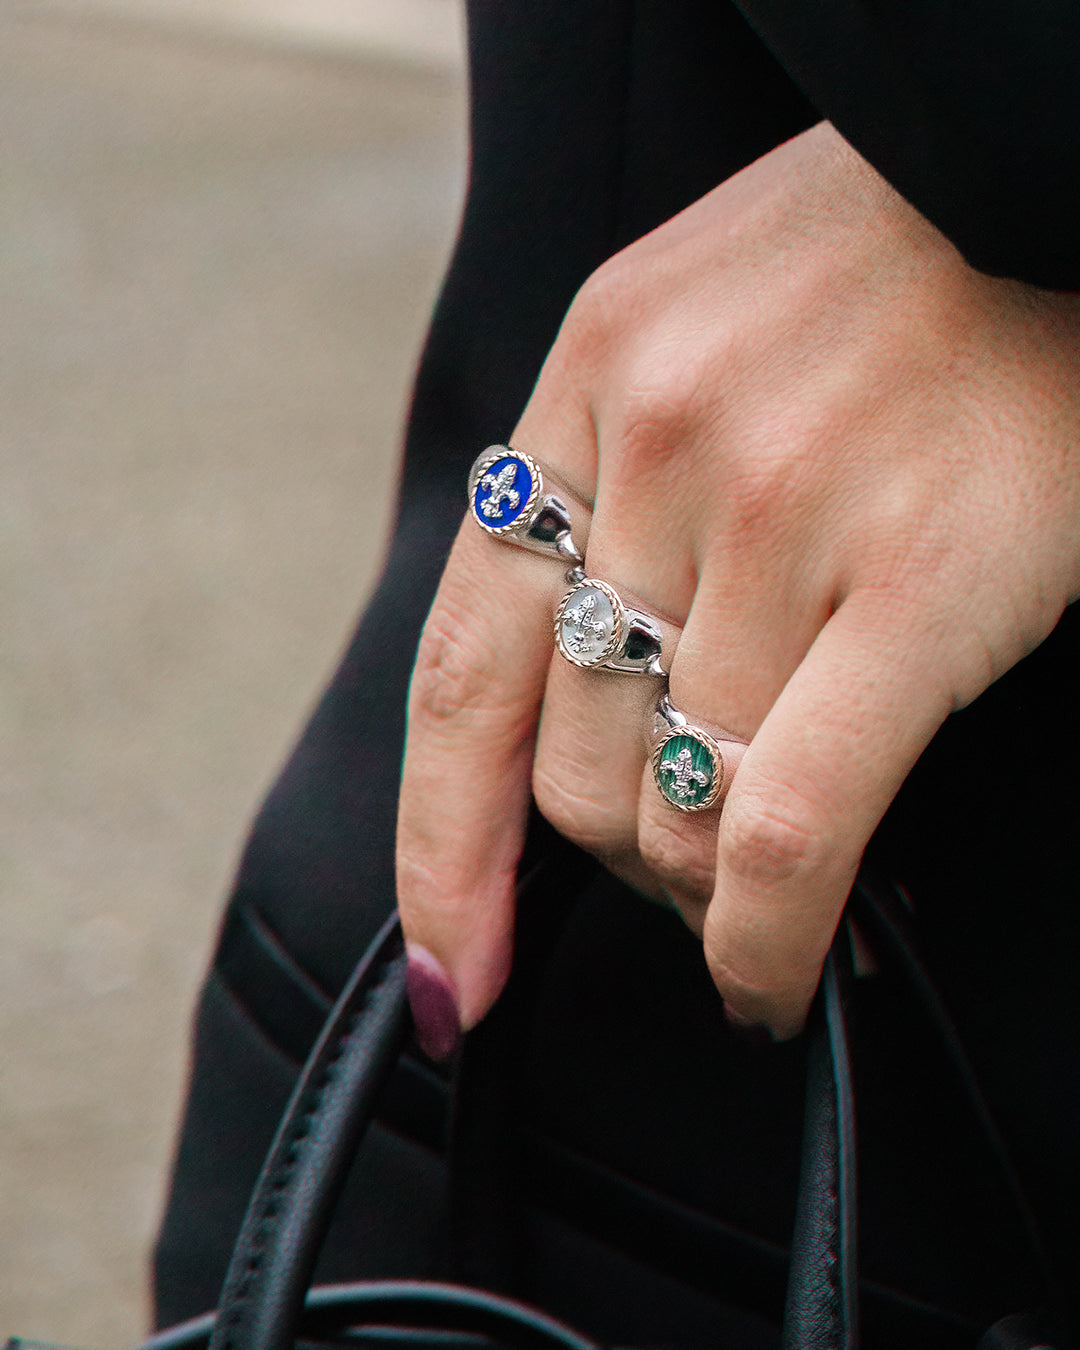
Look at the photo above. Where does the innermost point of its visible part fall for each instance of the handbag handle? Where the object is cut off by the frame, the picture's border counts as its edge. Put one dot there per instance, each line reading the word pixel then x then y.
pixel 305 1168
pixel 263 1297
pixel 822 1307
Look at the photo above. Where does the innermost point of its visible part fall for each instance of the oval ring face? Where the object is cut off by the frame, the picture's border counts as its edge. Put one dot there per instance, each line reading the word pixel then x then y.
pixel 689 769
pixel 589 623
pixel 506 491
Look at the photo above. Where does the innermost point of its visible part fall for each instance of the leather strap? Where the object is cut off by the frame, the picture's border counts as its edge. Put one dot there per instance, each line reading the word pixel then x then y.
pixel 286 1223
pixel 822 1298
pixel 420 1314
pixel 263 1296
pixel 290 1209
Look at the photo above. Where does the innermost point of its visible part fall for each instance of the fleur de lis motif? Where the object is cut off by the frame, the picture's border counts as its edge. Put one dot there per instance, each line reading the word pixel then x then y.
pixel 687 778
pixel 587 630
pixel 501 487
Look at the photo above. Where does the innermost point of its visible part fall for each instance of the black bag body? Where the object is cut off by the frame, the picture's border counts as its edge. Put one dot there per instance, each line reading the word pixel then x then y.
pixel 267 1303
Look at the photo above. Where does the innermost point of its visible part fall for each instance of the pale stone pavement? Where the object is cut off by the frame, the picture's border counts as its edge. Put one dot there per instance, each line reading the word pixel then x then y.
pixel 218 247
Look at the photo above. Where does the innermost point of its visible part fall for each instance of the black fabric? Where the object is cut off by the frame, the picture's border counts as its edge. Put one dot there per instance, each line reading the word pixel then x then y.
pixel 970 108
pixel 592 123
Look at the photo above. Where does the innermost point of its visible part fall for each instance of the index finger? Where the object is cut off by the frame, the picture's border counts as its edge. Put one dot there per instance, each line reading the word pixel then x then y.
pixel 474 704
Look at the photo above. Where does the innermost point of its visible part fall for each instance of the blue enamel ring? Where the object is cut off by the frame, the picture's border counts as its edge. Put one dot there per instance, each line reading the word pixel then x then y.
pixel 508 498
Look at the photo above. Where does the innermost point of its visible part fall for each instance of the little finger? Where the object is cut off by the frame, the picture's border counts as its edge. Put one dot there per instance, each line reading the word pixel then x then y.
pixel 818 776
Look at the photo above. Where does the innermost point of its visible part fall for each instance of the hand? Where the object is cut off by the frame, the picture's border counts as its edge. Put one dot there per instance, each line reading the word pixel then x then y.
pixel 848 466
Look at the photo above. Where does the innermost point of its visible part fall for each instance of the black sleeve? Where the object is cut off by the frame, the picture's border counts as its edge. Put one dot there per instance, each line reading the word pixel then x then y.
pixel 970 108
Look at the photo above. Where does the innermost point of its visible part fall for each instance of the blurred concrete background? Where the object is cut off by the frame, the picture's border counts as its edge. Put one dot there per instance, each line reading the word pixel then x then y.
pixel 222 224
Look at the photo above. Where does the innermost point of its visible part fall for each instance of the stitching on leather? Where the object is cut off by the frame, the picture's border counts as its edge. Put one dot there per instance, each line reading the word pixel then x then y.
pixel 291 1156
pixel 831 1252
pixel 832 1269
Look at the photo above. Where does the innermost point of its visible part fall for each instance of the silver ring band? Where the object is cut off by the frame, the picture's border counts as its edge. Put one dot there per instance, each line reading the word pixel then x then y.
pixel 595 629
pixel 687 763
pixel 508 498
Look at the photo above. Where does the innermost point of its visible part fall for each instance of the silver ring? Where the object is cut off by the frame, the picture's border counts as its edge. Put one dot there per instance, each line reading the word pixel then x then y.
pixel 508 498
pixel 687 763
pixel 594 628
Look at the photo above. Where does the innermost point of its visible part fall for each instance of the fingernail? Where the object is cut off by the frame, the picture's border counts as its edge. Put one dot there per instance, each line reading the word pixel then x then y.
pixel 434 1004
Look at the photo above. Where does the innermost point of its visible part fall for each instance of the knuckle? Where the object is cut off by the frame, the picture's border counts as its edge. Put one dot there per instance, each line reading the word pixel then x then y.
pixel 761 489
pixel 426 882
pixel 454 676
pixel 681 860
pixel 589 821
pixel 659 400
pixel 773 845
pixel 605 292
pixel 778 460
pixel 673 392
pixel 593 317
pixel 614 307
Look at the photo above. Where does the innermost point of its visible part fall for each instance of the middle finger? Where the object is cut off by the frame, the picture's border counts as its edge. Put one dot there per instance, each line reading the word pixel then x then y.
pixel 590 751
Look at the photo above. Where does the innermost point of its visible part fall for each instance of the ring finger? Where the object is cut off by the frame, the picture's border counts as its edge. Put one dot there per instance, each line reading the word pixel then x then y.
pixel 690 770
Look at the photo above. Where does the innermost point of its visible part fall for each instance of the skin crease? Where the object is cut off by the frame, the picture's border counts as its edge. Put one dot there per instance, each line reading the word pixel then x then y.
pixel 848 466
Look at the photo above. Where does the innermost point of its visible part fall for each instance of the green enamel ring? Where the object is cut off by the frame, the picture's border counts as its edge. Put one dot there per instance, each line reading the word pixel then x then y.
pixel 687 763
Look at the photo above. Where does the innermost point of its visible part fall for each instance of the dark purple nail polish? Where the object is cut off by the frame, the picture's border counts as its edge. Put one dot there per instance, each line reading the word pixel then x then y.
pixel 434 1004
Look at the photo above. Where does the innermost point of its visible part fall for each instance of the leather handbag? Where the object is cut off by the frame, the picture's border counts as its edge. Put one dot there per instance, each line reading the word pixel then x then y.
pixel 267 1302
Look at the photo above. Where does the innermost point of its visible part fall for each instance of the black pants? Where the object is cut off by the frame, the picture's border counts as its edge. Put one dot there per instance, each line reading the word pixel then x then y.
pixel 658 1172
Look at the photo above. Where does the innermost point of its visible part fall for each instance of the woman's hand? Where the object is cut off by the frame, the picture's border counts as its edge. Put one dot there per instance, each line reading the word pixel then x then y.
pixel 848 466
